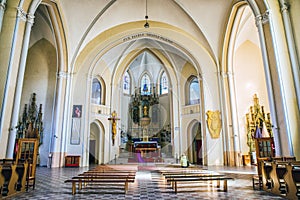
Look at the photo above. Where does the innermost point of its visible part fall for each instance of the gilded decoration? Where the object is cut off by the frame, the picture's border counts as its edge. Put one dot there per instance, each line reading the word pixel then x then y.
pixel 30 124
pixel 113 119
pixel 214 123
pixel 258 124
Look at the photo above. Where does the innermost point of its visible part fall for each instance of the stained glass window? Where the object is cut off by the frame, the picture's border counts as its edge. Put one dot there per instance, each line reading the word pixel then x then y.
pixel 96 91
pixel 164 86
pixel 126 83
pixel 145 85
pixel 194 92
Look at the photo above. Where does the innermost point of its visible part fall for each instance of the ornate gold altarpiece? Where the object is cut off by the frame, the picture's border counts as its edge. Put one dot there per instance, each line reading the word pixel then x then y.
pixel 257 121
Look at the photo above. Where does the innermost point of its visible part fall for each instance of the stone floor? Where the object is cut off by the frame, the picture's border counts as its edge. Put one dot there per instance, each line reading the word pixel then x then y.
pixel 149 184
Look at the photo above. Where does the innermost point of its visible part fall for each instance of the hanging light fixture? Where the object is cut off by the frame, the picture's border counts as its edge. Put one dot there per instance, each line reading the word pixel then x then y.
pixel 146 25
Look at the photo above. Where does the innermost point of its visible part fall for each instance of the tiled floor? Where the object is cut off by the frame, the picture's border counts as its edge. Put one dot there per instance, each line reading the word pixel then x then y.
pixel 149 184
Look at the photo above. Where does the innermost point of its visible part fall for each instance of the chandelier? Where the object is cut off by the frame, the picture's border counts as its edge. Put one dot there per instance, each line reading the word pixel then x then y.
pixel 146 25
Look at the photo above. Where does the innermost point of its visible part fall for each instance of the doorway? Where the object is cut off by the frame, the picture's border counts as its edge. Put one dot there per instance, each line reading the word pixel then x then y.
pixel 92 152
pixel 94 144
pixel 197 154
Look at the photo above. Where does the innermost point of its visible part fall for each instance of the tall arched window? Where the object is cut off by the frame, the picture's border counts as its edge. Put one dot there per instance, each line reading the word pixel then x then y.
pixel 164 85
pixel 145 85
pixel 194 91
pixel 126 83
pixel 96 91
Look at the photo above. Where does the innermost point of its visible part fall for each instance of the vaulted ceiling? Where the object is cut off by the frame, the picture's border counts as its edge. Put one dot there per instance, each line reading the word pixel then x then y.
pixel 180 29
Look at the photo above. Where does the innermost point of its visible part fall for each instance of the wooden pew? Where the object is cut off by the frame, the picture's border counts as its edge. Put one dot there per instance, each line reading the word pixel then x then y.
pixel 10 178
pixel 267 182
pixel 1 181
pixel 282 178
pixel 21 170
pixel 107 180
pixel 111 171
pixel 173 177
pixel 187 172
pixel 296 178
pixel 102 174
pixel 280 186
pixel 129 175
pixel 175 180
pixel 292 177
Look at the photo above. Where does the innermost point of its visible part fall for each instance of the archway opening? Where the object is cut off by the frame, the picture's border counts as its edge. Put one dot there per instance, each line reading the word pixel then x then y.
pixel 94 144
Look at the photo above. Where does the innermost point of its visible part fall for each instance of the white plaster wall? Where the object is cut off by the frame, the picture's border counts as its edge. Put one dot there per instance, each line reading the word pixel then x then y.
pixel 81 93
pixel 40 78
pixel 215 150
pixel 249 78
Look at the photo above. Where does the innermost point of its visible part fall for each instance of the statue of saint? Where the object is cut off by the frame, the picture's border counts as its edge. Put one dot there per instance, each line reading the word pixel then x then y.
pixel 145 108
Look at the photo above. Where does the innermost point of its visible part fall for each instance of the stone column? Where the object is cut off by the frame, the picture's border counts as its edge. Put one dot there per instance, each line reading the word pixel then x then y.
pixel 2 10
pixel 18 91
pixel 11 39
pixel 234 116
pixel 260 21
pixel 290 116
pixel 58 135
pixel 226 127
pixel 291 46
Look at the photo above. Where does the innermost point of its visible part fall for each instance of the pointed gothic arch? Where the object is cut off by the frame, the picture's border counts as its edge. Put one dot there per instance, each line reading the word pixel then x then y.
pixel 195 147
pixel 96 143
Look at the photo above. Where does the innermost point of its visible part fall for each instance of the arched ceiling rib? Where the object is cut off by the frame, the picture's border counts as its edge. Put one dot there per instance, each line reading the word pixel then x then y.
pixel 85 21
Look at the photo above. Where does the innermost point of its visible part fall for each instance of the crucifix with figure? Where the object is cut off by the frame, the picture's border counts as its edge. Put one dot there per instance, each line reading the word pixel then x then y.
pixel 113 119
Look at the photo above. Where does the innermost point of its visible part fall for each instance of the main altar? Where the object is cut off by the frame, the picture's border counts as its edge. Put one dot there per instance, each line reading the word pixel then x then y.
pixel 143 145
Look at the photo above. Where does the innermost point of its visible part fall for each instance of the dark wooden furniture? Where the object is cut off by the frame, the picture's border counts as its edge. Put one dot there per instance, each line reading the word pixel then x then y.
pixel 193 176
pixel 27 152
pixel 103 175
pixel 265 151
pixel 265 147
pixel 72 161
pixel 205 178
pixel 111 180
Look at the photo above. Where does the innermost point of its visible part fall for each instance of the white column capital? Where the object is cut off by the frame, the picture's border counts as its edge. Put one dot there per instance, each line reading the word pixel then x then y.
pixel 2 5
pixel 30 18
pixel 285 7
pixel 223 74
pixel 228 74
pixel 262 18
pixel 26 17
pixel 62 74
pixel 21 14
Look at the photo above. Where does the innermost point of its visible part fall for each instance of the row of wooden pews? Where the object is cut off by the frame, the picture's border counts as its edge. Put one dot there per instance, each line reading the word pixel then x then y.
pixel 13 177
pixel 100 175
pixel 281 178
pixel 174 177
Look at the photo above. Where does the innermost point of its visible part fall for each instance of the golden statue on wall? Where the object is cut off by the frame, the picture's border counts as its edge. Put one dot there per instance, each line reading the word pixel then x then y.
pixel 214 123
pixel 258 124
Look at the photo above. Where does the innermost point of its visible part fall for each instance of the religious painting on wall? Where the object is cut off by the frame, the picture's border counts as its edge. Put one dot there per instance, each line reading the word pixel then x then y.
pixel 77 111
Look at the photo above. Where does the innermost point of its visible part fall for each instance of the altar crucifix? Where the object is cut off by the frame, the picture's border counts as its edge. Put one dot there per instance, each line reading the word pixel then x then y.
pixel 113 119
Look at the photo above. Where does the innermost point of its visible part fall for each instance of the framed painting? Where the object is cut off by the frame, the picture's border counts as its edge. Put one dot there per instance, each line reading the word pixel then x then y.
pixel 77 111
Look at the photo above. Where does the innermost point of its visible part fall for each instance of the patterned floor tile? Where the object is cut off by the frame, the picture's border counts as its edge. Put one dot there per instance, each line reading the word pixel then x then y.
pixel 149 185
